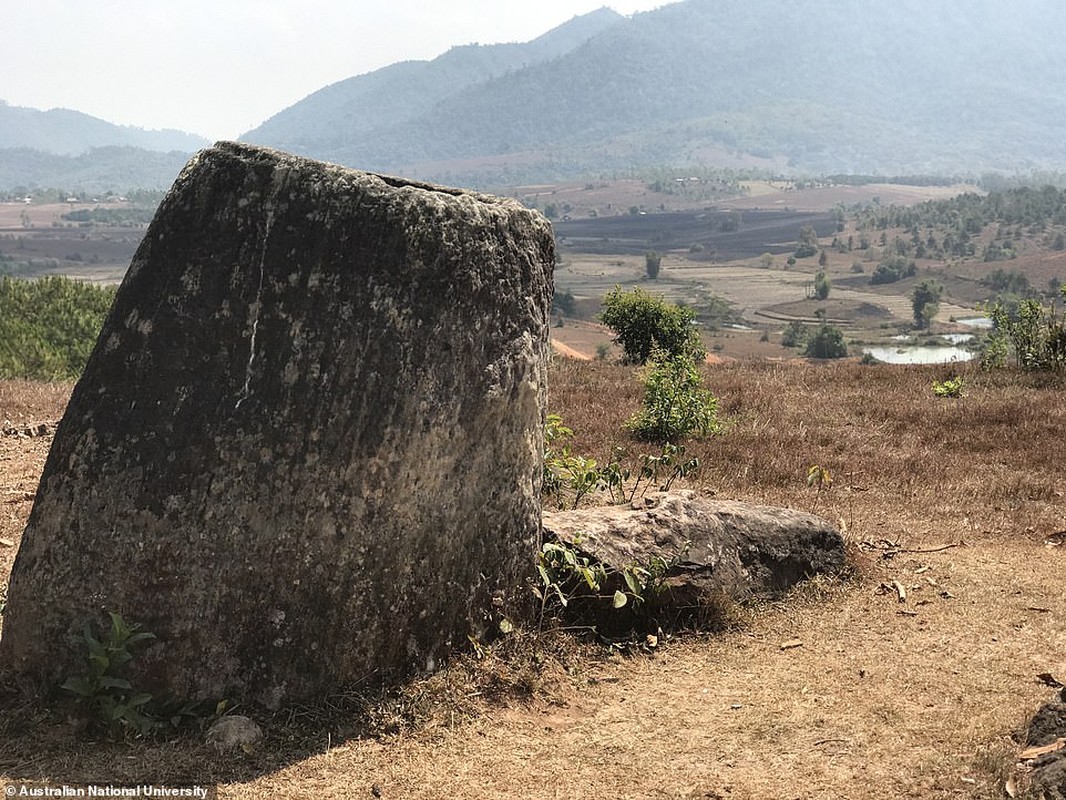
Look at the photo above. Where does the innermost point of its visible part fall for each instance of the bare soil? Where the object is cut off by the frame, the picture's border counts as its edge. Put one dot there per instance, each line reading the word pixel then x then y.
pixel 839 690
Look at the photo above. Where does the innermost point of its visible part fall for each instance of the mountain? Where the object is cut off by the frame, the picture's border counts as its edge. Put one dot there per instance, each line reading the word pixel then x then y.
pixel 815 85
pixel 96 172
pixel 71 133
pixel 398 95
pixel 76 152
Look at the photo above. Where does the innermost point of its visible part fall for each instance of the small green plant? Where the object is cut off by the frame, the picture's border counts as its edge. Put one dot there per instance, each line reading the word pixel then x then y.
pixel 104 691
pixel 647 582
pixel 819 478
pixel 569 477
pixel 664 469
pixel 566 574
pixel 950 387
pixel 675 406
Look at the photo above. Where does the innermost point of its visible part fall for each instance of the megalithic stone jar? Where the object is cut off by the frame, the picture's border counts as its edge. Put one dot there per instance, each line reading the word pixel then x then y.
pixel 306 450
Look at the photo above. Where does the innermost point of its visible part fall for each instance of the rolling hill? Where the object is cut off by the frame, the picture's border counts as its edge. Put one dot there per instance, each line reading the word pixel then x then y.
pixel 63 132
pixel 959 87
pixel 911 86
pixel 68 149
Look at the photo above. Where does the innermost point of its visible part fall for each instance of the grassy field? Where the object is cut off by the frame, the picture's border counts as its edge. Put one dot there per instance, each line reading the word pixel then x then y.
pixel 959 501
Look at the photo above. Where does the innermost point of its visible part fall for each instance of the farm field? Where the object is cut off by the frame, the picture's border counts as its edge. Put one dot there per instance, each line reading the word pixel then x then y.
pixel 38 241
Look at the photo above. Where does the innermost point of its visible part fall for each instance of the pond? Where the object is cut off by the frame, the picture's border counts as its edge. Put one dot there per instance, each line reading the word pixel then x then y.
pixel 913 354
pixel 976 322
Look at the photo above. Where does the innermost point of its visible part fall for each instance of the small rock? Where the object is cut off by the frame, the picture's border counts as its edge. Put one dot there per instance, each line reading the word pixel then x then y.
pixel 233 732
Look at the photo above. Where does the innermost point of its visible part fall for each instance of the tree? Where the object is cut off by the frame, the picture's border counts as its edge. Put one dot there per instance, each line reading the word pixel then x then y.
pixel 563 303
pixel 821 286
pixel 828 342
pixel 48 326
pixel 652 261
pixel 643 322
pixel 892 269
pixel 808 242
pixel 1035 332
pixel 925 300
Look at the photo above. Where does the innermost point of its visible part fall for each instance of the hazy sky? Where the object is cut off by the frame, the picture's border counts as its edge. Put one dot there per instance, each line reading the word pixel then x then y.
pixel 220 67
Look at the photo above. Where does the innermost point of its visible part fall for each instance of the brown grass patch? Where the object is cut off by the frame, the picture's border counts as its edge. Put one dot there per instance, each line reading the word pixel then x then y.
pixel 952 499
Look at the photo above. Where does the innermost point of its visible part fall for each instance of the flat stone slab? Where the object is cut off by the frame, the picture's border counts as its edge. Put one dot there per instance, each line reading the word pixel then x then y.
pixel 729 547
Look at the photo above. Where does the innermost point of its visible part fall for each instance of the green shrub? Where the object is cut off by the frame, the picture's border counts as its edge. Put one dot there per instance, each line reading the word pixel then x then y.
pixel 674 405
pixel 1035 333
pixel 795 334
pixel 892 269
pixel 643 322
pixel 103 691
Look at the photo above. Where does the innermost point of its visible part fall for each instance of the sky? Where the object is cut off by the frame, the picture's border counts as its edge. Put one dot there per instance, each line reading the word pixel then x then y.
pixel 218 68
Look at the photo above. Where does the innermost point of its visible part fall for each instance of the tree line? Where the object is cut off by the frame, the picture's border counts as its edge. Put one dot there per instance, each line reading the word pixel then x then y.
pixel 48 326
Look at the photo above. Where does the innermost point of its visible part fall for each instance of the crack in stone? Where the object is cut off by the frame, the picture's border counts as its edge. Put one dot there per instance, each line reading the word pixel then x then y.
pixel 246 389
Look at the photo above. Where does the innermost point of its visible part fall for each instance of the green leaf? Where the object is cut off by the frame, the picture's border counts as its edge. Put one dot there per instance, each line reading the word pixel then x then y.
pixel 619 599
pixel 119 630
pixel 109 682
pixel 545 578
pixel 632 582
pixel 506 626
pixel 79 686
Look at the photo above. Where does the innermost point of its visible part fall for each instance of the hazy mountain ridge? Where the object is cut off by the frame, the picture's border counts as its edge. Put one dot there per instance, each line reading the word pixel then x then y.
pixel 916 86
pixel 99 170
pixel 64 132
pixel 912 86
pixel 377 103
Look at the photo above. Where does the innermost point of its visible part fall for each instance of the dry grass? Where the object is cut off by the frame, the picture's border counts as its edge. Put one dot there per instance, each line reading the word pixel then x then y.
pixel 904 462
pixel 883 699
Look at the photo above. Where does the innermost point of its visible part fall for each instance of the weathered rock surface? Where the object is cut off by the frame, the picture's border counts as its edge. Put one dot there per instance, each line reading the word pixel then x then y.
pixel 306 449
pixel 1047 727
pixel 720 546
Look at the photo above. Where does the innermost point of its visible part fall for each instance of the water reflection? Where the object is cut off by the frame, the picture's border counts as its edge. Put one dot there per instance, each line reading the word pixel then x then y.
pixel 919 355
